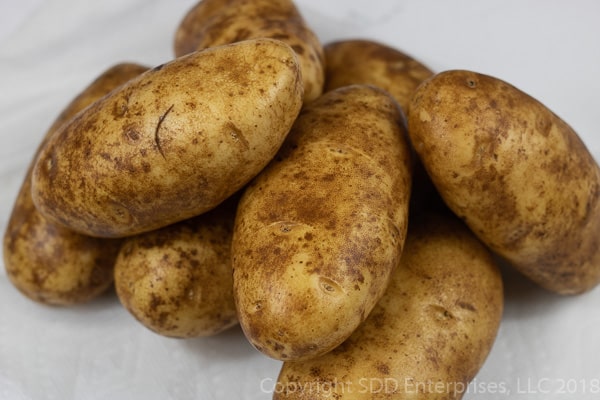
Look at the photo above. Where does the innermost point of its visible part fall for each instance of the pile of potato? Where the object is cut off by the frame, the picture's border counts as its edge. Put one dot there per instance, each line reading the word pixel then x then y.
pixel 341 203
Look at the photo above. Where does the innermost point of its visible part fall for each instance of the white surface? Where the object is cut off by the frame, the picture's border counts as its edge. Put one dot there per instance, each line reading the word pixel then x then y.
pixel 547 347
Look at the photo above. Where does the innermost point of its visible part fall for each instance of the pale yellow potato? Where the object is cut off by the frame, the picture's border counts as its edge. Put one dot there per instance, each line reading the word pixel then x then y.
pixel 429 334
pixel 361 61
pixel 172 143
pixel 216 22
pixel 46 262
pixel 320 230
pixel 177 280
pixel 518 175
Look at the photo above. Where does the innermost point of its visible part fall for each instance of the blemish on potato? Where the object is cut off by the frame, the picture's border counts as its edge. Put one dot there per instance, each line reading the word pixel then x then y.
pixel 431 354
pixel 155 302
pixel 50 166
pixel 121 213
pixel 121 107
pixel 236 134
pixel 157 130
pixel 383 368
pixel 472 83
pixel 330 287
pixel 439 312
pixel 131 133
pixel 424 116
pixel 466 306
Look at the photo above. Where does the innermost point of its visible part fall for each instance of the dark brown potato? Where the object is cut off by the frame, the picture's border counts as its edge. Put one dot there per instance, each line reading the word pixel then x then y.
pixel 177 281
pixel 518 175
pixel 429 334
pixel 216 22
pixel 349 62
pixel 320 230
pixel 48 263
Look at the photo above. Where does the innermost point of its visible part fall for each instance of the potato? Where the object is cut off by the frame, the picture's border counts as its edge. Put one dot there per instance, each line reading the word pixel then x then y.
pixel 357 61
pixel 177 280
pixel 48 263
pixel 320 230
pixel 171 144
pixel 429 334
pixel 216 22
pixel 518 175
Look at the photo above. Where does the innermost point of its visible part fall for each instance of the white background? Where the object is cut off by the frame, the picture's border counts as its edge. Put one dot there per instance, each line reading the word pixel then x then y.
pixel 51 49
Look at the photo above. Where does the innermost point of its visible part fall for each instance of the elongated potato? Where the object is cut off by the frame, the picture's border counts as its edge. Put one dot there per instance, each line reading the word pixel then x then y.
pixel 359 61
pixel 428 335
pixel 49 263
pixel 177 280
pixel 171 144
pixel 319 232
pixel 518 175
pixel 216 22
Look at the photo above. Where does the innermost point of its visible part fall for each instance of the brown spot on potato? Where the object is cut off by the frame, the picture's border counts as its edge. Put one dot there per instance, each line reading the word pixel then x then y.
pixel 131 133
pixel 382 368
pixel 155 302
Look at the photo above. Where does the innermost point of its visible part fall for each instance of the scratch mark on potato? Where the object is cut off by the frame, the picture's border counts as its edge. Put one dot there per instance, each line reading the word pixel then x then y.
pixel 156 131
pixel 237 134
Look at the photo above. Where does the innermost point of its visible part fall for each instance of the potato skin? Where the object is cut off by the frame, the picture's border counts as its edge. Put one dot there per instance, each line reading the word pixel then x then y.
pixel 172 143
pixel 429 334
pixel 518 175
pixel 48 263
pixel 319 231
pixel 177 280
pixel 216 22
pixel 359 61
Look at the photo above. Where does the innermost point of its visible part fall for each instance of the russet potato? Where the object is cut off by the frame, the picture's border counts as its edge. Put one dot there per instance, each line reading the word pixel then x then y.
pixel 429 334
pixel 216 22
pixel 172 143
pixel 320 230
pixel 360 61
pixel 177 280
pixel 47 262
pixel 518 175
